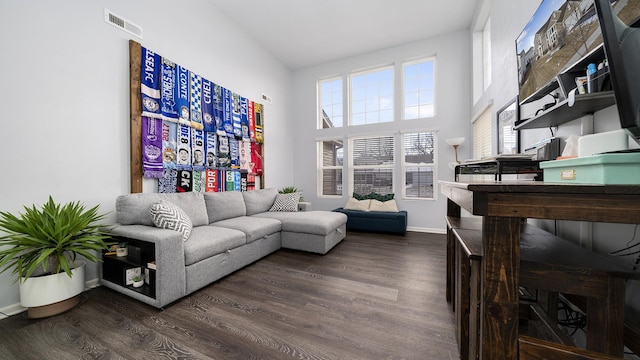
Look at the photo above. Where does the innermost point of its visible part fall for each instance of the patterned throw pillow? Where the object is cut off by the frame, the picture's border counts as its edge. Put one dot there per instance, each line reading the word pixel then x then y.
pixel 359 197
pixel 166 215
pixel 286 202
pixel 373 195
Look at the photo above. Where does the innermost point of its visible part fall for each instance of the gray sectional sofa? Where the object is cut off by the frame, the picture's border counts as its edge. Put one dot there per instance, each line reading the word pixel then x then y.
pixel 230 230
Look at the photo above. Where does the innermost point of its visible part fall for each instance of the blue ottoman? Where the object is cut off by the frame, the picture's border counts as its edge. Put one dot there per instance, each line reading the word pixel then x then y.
pixel 376 221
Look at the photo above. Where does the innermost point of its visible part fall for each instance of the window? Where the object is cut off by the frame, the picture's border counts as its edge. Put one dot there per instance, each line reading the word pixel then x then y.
pixel 371 164
pixel 372 97
pixel 418 165
pixel 551 36
pixel 379 158
pixel 486 54
pixel 482 135
pixel 419 89
pixel 330 100
pixel 481 56
pixel 330 169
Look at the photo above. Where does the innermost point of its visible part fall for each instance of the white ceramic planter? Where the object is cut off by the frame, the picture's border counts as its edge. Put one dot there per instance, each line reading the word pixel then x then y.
pixel 122 251
pixel 49 289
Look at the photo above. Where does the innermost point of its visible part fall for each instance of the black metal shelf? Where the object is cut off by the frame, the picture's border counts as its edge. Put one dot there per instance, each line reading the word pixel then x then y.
pixel 585 104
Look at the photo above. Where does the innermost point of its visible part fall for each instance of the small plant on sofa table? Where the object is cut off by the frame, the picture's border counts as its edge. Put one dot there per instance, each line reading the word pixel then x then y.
pixel 291 190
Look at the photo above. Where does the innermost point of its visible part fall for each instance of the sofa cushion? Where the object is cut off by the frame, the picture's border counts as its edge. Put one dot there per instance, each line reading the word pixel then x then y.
pixel 207 241
pixel 166 215
pixel 389 205
pixel 259 200
pixel 286 202
pixel 308 222
pixel 254 227
pixel 355 204
pixel 133 209
pixel 224 205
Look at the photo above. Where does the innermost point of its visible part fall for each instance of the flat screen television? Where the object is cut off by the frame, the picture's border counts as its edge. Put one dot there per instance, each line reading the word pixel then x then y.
pixel 621 36
pixel 559 34
pixel 563 32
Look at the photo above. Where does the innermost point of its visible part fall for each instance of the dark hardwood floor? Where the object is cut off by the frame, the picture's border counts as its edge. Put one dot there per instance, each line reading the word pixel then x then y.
pixel 371 297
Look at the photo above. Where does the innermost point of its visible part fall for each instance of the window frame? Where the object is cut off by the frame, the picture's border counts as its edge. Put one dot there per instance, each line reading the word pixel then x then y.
pixel 352 167
pixel 320 107
pixel 433 164
pixel 350 96
pixel 321 167
pixel 432 59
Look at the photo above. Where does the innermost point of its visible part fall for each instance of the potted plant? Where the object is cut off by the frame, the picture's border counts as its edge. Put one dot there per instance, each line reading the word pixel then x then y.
pixel 40 247
pixel 138 281
pixel 291 190
pixel 122 250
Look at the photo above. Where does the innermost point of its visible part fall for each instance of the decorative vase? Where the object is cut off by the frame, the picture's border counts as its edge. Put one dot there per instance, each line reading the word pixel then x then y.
pixel 48 295
pixel 137 284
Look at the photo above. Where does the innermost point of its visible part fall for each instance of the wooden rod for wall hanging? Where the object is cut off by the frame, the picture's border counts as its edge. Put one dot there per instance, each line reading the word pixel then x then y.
pixel 135 61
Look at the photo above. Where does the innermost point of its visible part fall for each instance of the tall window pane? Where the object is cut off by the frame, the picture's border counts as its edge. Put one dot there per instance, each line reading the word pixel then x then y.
pixel 330 100
pixel 371 164
pixel 419 89
pixel 418 164
pixel 330 169
pixel 372 97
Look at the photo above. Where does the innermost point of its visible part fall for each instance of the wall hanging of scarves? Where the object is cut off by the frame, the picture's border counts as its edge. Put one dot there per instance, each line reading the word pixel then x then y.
pixel 196 135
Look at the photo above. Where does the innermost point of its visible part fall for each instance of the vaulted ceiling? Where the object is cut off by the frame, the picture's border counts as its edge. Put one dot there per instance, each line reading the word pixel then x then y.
pixel 304 33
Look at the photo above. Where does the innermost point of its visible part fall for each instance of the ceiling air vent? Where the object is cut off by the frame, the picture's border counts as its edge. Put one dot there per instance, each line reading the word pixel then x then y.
pixel 122 23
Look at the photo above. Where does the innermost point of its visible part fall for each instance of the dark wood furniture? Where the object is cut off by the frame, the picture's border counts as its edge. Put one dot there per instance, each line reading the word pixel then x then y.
pixel 545 265
pixel 503 205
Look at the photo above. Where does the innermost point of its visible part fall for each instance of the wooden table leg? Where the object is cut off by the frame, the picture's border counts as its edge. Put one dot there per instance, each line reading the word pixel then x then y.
pixel 605 320
pixel 500 271
pixel 453 210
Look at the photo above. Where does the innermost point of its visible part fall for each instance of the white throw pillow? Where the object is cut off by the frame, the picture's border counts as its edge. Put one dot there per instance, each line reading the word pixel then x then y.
pixel 389 206
pixel 286 202
pixel 359 205
pixel 166 215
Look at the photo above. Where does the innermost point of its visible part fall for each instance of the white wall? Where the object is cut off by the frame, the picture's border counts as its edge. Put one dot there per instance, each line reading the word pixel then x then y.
pixel 65 95
pixel 452 53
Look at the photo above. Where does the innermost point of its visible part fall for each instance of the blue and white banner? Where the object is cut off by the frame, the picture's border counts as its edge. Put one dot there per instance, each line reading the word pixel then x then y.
pixel 150 83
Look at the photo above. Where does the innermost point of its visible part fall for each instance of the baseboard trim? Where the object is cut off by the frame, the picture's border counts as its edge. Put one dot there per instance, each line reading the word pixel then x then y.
pixel 426 230
pixel 15 309
pixel 11 310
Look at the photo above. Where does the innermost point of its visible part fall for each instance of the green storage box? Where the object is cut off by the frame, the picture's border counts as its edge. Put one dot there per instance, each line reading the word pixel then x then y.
pixel 618 169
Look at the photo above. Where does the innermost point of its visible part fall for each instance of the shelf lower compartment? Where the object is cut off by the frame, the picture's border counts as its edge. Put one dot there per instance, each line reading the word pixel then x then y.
pixel 585 104
pixel 114 271
pixel 146 289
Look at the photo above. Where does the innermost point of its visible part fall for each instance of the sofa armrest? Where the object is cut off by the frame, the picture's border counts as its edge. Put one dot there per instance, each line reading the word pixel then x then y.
pixel 304 206
pixel 169 255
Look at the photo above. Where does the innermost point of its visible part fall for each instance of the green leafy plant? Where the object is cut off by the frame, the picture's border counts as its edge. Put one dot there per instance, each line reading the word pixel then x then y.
pixel 50 237
pixel 290 190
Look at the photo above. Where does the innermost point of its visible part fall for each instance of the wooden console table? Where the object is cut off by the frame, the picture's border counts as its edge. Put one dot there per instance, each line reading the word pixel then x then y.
pixel 503 204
